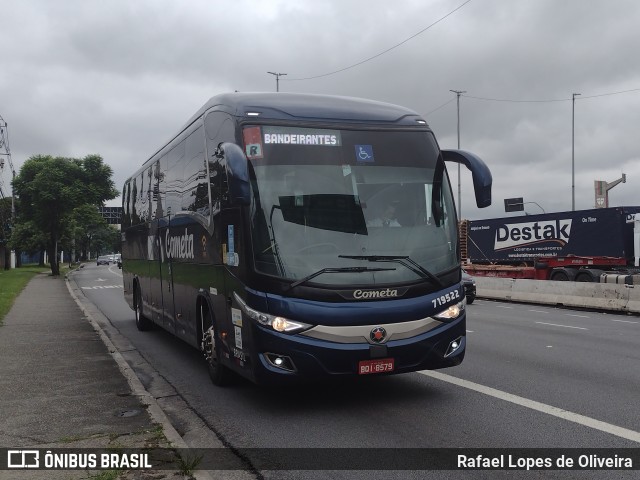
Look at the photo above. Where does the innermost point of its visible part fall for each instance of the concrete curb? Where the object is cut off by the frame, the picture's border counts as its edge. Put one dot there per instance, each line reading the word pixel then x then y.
pixel 598 296
pixel 154 409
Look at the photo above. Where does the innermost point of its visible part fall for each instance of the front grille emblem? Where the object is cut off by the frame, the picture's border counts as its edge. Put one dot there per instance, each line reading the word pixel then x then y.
pixel 378 335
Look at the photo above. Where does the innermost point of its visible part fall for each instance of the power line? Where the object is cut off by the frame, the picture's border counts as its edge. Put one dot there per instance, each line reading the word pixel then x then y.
pixel 510 100
pixel 554 100
pixel 438 108
pixel 381 53
pixel 610 93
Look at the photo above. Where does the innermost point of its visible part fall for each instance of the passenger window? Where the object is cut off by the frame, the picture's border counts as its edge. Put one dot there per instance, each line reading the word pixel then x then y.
pixel 195 197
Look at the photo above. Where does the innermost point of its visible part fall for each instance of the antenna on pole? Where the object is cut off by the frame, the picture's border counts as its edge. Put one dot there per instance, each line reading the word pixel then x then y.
pixel 602 188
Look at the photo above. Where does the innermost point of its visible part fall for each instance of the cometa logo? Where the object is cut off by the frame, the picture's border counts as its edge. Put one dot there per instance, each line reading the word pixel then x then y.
pixel 369 294
pixel 519 234
pixel 179 246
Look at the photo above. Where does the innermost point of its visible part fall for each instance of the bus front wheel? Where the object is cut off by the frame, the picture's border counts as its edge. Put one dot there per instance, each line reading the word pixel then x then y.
pixel 142 322
pixel 219 374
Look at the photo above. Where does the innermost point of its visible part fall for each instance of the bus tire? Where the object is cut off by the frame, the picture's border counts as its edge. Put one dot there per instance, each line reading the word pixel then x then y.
pixel 142 323
pixel 219 374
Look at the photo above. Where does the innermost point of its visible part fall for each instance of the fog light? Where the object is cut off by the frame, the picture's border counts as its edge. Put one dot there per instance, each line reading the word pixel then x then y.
pixel 280 361
pixel 453 347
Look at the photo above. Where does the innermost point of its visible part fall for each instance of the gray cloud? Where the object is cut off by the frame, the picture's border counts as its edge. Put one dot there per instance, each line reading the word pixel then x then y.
pixel 118 78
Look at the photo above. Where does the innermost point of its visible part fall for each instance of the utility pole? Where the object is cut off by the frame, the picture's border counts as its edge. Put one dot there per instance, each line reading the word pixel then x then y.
pixel 458 93
pixel 278 75
pixel 6 151
pixel 573 162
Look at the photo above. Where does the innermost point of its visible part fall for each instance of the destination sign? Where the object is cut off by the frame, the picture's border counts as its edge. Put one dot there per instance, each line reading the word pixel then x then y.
pixel 301 136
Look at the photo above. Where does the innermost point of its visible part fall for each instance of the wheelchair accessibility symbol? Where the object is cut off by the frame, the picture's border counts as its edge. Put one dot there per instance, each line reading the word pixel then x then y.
pixel 364 153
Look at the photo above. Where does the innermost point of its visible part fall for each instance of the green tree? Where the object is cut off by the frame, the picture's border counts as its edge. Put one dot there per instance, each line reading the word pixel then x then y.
pixel 106 240
pixel 50 189
pixel 92 233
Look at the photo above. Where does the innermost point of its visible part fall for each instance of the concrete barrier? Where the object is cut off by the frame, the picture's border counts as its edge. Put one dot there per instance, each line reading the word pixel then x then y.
pixel 600 296
pixel 624 279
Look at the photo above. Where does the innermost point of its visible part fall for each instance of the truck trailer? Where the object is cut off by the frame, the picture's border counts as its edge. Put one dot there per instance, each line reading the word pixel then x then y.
pixel 579 245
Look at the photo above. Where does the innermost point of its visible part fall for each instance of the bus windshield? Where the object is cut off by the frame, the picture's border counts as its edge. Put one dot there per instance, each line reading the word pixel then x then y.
pixel 331 205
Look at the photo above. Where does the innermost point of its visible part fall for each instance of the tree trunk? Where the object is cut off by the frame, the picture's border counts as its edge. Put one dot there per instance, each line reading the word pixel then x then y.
pixel 53 257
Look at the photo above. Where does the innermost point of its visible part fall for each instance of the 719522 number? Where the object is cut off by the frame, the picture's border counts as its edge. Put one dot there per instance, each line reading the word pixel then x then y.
pixel 446 298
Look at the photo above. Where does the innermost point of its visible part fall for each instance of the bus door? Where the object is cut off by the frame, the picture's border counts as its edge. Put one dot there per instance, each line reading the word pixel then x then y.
pixel 234 263
pixel 166 276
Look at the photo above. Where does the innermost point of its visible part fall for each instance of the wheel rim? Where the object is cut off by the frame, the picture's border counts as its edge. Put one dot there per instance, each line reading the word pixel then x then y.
pixel 209 347
pixel 138 306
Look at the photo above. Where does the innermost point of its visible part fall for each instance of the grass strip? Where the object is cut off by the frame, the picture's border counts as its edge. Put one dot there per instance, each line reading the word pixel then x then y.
pixel 11 284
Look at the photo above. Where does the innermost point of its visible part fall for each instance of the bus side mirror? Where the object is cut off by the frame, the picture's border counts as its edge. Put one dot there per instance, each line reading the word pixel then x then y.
pixel 482 179
pixel 237 172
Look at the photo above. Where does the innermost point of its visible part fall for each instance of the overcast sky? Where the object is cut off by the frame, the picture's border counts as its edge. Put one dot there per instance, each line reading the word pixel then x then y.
pixel 119 77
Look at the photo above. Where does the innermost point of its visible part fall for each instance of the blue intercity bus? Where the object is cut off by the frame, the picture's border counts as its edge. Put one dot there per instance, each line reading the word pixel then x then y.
pixel 292 236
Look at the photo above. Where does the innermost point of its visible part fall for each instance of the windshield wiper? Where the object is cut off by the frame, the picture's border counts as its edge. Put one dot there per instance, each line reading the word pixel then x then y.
pixel 404 260
pixel 336 270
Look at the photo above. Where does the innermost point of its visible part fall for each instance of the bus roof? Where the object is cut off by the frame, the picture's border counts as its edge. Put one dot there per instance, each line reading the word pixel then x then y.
pixel 310 107
pixel 303 107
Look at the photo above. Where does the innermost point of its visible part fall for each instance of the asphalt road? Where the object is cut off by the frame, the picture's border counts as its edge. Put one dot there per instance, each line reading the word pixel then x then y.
pixel 533 377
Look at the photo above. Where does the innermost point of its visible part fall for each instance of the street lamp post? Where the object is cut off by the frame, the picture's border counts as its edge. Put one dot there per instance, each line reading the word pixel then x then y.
pixel 573 163
pixel 278 75
pixel 458 93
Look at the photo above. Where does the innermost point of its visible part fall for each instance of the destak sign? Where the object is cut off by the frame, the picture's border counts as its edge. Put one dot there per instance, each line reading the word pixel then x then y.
pixel 529 233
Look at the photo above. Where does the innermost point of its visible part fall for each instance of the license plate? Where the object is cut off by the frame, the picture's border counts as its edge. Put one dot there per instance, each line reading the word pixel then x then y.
pixel 381 365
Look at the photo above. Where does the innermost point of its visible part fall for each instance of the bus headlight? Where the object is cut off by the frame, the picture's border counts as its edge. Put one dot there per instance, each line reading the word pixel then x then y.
pixel 451 313
pixel 279 324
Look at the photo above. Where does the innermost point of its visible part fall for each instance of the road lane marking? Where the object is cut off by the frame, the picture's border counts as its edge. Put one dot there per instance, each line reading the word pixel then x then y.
pixel 624 321
pixel 563 326
pixel 101 287
pixel 538 406
pixel 574 315
pixel 469 331
pixel 118 272
pixel 539 311
pixel 503 306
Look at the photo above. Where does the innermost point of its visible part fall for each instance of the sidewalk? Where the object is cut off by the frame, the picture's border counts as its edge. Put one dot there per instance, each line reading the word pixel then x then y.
pixel 61 388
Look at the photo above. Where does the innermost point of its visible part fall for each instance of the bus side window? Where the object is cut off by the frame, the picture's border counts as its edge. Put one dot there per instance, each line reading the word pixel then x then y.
pixel 144 196
pixel 173 166
pixel 157 198
pixel 195 197
pixel 216 173
pixel 134 194
pixel 161 172
pixel 219 128
pixel 126 219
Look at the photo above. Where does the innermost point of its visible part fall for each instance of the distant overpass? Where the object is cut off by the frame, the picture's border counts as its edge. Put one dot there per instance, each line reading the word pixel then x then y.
pixel 113 215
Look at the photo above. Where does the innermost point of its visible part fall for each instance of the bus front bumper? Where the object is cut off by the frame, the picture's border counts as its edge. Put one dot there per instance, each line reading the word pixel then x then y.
pixel 284 358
